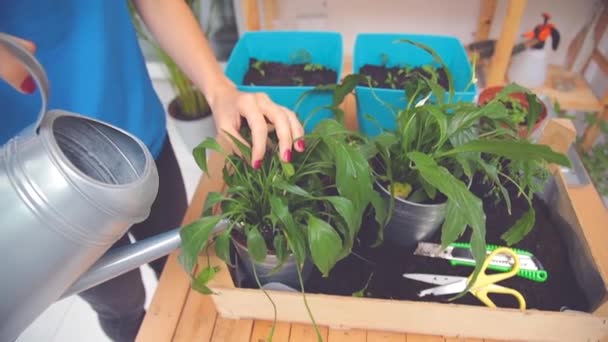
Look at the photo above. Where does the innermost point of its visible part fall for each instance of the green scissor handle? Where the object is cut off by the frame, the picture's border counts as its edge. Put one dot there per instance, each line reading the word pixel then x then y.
pixel 534 275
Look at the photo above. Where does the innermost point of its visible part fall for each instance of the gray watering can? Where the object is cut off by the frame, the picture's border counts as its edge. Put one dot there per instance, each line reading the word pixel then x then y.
pixel 70 187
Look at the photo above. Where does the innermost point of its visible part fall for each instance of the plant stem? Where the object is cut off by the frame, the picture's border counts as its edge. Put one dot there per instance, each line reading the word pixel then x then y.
pixel 274 307
pixel 521 191
pixel 314 323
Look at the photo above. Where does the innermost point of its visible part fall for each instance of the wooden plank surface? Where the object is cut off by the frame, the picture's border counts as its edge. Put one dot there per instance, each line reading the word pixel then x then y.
pixel 383 336
pixel 261 331
pixel 305 332
pixel 579 98
pixel 351 335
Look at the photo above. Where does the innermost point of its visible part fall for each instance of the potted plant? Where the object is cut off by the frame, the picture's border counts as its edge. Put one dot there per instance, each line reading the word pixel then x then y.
pixel 396 70
pixel 285 217
pixel 285 65
pixel 189 109
pixel 527 110
pixel 427 164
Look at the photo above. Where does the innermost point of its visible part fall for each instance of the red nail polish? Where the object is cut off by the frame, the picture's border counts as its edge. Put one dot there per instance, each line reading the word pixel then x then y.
pixel 28 86
pixel 287 155
pixel 257 164
pixel 301 145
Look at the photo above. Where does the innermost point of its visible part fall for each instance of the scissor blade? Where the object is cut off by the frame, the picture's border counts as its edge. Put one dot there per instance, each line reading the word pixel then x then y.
pixel 451 288
pixel 436 279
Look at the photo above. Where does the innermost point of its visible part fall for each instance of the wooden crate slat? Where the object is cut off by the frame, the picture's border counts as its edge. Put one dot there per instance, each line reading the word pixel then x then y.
pixel 198 319
pixel 385 336
pixel 424 338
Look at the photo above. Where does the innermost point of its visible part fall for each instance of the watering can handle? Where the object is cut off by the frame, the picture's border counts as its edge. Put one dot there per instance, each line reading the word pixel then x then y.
pixel 33 67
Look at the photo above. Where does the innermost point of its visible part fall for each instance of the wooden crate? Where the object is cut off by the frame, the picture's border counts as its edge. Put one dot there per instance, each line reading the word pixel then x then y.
pixel 235 314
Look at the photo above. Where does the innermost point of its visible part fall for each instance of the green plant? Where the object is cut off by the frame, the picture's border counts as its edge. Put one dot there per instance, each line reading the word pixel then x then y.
pixel 298 80
pixel 191 101
pixel 313 67
pixel 596 159
pixel 391 80
pixel 310 208
pixel 259 66
pixel 439 145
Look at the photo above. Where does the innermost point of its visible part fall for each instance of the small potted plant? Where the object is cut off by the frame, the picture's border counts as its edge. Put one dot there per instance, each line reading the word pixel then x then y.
pixel 286 217
pixel 427 164
pixel 287 64
pixel 188 109
pixel 395 70
pixel 527 110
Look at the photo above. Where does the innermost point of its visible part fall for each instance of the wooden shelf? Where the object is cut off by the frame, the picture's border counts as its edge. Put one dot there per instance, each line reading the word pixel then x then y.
pixel 580 97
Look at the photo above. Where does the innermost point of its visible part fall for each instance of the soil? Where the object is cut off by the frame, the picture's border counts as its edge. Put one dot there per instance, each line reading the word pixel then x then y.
pixel 176 112
pixel 379 75
pixel 270 73
pixel 388 263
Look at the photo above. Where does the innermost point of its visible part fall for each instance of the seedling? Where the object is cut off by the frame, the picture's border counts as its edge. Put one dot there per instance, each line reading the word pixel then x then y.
pixel 259 66
pixel 313 67
pixel 298 80
pixel 391 80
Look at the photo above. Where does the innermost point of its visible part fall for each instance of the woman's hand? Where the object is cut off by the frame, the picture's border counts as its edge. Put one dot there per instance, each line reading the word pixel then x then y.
pixel 230 105
pixel 13 71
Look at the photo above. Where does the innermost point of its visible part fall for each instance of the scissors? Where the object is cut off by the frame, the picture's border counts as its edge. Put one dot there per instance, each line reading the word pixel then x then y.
pixel 485 283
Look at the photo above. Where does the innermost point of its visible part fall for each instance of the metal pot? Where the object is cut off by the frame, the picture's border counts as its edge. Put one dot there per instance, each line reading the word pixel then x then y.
pixel 70 187
pixel 286 275
pixel 411 222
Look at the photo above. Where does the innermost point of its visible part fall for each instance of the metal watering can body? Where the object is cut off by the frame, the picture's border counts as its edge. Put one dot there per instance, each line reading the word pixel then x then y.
pixel 70 187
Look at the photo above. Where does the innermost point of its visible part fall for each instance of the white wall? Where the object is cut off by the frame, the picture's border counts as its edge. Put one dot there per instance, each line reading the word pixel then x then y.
pixel 448 17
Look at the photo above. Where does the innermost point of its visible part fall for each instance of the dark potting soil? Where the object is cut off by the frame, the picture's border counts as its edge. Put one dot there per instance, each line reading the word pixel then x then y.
pixel 281 74
pixel 176 111
pixel 387 263
pixel 396 77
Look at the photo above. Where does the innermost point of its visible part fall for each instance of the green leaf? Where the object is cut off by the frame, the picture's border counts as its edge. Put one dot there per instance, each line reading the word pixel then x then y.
pixel 212 199
pixel 464 202
pixel 202 279
pixel 325 244
pixel 288 169
pixel 514 150
pixel 345 208
pixel 453 225
pixel 520 229
pixel 381 213
pixel 441 121
pixel 200 152
pixel 534 110
pixel 295 237
pixel 256 245
pixel 353 175
pixel 348 84
pixel 293 189
pixel 280 247
pixel 438 59
pixel 194 239
pixel 222 246
pixel 245 150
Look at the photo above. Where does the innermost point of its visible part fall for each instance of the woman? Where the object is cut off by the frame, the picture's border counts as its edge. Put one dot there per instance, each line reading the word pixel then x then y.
pixel 95 67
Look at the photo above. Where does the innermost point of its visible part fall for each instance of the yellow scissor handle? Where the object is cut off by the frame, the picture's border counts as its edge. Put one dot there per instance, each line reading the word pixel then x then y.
pixel 484 279
pixel 487 283
pixel 482 294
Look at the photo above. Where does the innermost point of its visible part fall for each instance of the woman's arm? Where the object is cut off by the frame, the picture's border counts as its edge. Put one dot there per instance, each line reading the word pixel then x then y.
pixel 13 71
pixel 178 33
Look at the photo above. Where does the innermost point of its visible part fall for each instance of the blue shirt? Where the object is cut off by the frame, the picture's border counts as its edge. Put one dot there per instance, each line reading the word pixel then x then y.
pixel 95 66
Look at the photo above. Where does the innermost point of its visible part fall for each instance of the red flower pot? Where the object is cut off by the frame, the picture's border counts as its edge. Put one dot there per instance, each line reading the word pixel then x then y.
pixel 491 92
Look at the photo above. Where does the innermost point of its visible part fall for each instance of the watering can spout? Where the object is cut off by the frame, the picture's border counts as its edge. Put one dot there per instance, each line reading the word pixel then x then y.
pixel 126 258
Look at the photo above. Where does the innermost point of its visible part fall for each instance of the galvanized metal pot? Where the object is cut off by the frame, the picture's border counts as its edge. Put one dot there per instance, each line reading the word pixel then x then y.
pixel 287 274
pixel 411 222
pixel 70 187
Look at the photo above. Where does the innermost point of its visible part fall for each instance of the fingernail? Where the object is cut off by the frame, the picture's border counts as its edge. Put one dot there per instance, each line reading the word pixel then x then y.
pixel 301 145
pixel 287 155
pixel 28 86
pixel 257 164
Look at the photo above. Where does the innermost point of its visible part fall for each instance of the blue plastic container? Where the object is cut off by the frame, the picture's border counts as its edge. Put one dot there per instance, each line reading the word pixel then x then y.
pixel 324 48
pixel 372 48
